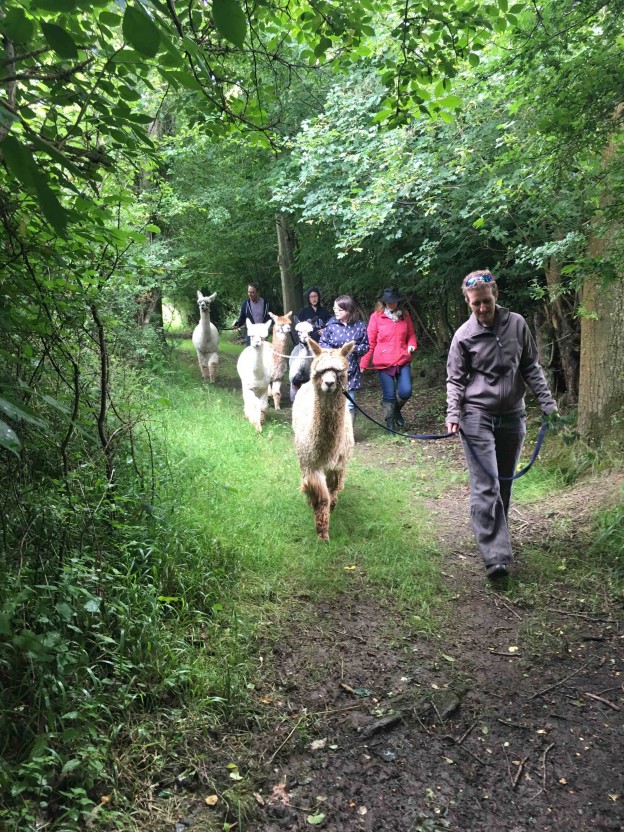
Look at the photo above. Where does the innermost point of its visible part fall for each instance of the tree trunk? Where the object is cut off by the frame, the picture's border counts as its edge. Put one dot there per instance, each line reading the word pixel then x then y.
pixel 292 289
pixel 565 330
pixel 148 302
pixel 601 388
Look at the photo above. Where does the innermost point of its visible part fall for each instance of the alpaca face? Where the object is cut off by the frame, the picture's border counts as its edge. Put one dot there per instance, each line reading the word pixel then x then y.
pixel 204 301
pixel 258 333
pixel 281 323
pixel 303 330
pixel 330 367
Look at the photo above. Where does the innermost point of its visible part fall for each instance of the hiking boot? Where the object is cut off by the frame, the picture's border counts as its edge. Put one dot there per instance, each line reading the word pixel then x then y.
pixel 388 409
pixel 496 571
pixel 399 404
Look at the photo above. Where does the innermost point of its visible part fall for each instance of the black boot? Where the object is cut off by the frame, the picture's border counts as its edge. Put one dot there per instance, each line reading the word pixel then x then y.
pixel 388 408
pixel 399 404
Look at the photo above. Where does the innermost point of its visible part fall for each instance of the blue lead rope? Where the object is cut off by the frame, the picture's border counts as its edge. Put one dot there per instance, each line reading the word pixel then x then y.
pixel 426 436
pixel 520 473
pixel 433 436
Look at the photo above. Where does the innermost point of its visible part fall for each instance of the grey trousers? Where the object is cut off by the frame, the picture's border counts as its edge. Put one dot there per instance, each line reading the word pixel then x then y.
pixel 498 441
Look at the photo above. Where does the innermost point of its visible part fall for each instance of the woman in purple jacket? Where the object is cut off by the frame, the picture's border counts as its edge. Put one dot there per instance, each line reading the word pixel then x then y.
pixel 347 326
pixel 491 362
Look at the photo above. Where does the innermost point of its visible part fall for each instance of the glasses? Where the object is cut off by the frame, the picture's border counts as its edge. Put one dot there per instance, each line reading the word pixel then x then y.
pixel 479 278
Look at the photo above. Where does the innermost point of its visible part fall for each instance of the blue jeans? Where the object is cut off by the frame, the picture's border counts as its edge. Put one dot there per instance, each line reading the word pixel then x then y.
pixel 399 385
pixel 350 405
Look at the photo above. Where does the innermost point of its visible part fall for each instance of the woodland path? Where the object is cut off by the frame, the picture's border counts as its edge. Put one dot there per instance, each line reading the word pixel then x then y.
pixel 508 719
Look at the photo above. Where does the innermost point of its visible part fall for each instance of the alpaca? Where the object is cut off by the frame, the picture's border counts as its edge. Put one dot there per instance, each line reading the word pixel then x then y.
pixel 281 328
pixel 255 366
pixel 323 431
pixel 300 358
pixel 206 339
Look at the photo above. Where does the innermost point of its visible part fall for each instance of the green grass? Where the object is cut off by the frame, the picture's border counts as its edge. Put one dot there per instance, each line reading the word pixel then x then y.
pixel 241 488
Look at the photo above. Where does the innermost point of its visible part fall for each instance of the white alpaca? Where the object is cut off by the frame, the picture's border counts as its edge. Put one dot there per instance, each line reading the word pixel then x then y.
pixel 255 366
pixel 323 431
pixel 206 339
pixel 300 359
pixel 281 328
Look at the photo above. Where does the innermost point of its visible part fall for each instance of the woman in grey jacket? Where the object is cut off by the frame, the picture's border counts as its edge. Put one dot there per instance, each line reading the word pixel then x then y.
pixel 491 362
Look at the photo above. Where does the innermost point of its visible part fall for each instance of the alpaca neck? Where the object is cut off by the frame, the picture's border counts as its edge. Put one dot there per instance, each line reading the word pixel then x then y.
pixel 329 408
pixel 205 318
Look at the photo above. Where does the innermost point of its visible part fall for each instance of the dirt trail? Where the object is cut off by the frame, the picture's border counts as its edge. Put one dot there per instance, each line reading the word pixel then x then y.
pixel 510 720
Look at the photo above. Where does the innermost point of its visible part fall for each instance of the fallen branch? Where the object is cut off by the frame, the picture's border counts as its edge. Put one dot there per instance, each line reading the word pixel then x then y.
pixel 546 750
pixel 600 699
pixel 580 615
pixel 279 748
pixel 465 734
pixel 561 681
pixel 518 774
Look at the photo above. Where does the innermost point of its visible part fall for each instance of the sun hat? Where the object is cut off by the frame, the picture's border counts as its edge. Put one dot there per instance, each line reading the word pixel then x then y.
pixel 391 294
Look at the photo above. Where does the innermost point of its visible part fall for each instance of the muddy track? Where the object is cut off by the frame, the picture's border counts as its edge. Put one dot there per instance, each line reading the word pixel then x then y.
pixel 510 719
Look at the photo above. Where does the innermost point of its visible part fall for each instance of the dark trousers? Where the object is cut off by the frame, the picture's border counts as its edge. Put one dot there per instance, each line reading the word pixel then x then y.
pixel 497 440
pixel 398 385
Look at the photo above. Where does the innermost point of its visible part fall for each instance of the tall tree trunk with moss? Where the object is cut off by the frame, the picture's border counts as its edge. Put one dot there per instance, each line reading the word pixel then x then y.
pixel 292 289
pixel 601 393
pixel 601 388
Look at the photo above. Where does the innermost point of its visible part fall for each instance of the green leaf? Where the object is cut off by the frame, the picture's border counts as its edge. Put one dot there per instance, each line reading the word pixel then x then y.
pixel 18 411
pixel 8 439
pixel 230 21
pixel 451 102
pixel 52 209
pixel 16 26
pixel 62 43
pixel 7 117
pixel 19 160
pixel 153 228
pixel 110 19
pixel 5 625
pixel 55 5
pixel 315 820
pixel 140 31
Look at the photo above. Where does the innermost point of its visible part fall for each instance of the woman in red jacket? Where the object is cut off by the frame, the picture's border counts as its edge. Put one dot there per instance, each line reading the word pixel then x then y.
pixel 392 342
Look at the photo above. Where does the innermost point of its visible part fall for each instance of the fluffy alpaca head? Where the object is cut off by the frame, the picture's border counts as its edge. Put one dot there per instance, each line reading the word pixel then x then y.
pixel 303 330
pixel 257 333
pixel 204 301
pixel 329 368
pixel 282 323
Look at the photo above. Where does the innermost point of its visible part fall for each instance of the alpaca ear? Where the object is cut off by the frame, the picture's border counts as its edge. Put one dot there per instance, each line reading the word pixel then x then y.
pixel 347 349
pixel 199 295
pixel 288 314
pixel 248 323
pixel 211 297
pixel 273 317
pixel 296 320
pixel 315 347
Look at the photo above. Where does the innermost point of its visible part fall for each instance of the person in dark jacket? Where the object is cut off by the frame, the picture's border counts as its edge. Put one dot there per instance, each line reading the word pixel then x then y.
pixel 347 326
pixel 392 343
pixel 314 312
pixel 255 308
pixel 492 360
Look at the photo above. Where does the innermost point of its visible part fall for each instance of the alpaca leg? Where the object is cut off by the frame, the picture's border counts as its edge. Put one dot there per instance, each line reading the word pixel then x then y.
pixel 335 484
pixel 203 365
pixel 252 409
pixel 314 486
pixel 276 392
pixel 213 363
pixel 263 406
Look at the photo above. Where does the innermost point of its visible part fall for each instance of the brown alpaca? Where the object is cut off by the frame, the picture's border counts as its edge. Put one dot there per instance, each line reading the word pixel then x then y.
pixel 281 328
pixel 323 432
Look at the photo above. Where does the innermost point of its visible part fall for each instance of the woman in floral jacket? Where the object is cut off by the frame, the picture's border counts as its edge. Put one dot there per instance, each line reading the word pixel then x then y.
pixel 347 326
pixel 392 343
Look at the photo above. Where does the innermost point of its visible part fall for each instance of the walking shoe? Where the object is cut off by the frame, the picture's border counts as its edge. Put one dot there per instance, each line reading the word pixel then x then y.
pixel 496 571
